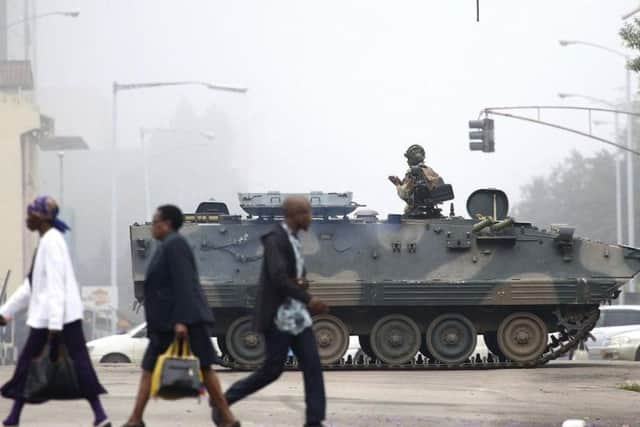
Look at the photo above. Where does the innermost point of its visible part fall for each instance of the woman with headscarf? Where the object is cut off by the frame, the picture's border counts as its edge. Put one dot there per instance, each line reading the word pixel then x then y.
pixel 51 293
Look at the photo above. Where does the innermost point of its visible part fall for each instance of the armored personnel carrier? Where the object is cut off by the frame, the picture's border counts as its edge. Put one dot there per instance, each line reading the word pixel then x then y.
pixel 416 288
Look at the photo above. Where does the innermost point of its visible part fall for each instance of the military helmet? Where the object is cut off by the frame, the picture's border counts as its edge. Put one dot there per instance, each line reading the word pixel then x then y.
pixel 414 148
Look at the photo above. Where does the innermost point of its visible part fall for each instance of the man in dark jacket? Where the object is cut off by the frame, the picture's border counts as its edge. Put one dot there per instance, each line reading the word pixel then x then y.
pixel 282 280
pixel 175 307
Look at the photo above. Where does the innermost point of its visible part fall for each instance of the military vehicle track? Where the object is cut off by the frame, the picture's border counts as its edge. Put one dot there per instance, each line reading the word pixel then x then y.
pixel 571 333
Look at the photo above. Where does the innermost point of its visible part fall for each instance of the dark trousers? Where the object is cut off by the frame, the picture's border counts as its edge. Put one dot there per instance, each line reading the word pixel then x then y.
pixel 278 344
pixel 73 338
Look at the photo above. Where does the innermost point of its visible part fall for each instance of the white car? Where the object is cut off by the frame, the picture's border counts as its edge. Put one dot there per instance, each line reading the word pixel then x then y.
pixel 624 346
pixel 614 319
pixel 124 348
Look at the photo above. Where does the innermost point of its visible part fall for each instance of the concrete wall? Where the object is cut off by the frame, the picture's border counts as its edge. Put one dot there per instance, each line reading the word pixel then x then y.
pixel 18 183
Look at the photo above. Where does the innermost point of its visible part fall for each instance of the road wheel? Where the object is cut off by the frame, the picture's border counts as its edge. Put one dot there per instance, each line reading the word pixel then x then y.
pixel 395 339
pixel 115 358
pixel 522 337
pixel 451 338
pixel 365 346
pixel 243 344
pixel 332 338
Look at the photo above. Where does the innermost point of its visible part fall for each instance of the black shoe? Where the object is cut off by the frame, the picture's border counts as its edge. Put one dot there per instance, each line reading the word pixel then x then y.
pixel 141 424
pixel 314 425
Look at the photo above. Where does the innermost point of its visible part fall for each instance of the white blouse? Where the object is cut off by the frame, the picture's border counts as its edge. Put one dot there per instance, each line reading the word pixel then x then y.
pixel 53 298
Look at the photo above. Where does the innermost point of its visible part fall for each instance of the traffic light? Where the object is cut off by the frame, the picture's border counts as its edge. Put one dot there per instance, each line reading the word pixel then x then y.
pixel 481 140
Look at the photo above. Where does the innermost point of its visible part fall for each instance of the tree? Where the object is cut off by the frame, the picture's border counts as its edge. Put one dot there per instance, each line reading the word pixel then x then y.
pixel 630 34
pixel 580 192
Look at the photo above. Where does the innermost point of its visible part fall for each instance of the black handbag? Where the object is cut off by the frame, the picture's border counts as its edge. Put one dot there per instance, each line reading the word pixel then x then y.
pixel 49 378
pixel 179 373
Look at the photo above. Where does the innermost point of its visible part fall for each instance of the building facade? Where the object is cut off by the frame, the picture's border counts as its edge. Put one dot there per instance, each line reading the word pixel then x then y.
pixel 20 129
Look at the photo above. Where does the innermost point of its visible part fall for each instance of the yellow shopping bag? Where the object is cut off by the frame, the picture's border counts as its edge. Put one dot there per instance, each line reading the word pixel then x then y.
pixel 177 373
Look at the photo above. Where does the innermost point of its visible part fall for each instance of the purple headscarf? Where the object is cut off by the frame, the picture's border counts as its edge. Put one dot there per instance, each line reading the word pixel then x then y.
pixel 46 208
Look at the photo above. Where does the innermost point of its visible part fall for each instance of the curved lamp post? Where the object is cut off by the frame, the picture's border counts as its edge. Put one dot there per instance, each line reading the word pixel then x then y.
pixel 69 14
pixel 117 87
pixel 630 186
pixel 614 106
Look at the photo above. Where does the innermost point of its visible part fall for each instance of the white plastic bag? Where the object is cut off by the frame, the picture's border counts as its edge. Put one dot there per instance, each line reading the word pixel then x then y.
pixel 292 317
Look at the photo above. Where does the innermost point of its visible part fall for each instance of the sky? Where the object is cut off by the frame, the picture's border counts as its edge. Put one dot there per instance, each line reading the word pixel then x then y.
pixel 337 90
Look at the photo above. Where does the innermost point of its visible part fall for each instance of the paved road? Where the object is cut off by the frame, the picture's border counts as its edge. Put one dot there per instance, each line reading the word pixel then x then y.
pixel 515 397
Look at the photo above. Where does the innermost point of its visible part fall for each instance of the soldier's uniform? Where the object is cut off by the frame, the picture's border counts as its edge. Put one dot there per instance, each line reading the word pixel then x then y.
pixel 415 157
pixel 405 189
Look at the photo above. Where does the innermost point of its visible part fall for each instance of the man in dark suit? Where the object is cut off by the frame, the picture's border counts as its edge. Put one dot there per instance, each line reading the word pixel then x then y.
pixel 282 280
pixel 175 307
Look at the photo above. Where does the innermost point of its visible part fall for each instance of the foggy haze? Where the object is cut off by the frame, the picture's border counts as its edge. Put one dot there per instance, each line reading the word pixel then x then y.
pixel 337 90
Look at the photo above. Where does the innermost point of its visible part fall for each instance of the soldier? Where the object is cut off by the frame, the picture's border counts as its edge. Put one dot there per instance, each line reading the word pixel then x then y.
pixel 415 158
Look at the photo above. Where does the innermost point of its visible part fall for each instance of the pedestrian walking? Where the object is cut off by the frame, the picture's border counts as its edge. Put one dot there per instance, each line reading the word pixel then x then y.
pixel 175 308
pixel 282 315
pixel 51 294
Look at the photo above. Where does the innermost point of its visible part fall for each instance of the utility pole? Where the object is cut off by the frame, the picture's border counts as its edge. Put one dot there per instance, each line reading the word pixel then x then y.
pixel 34 48
pixel 27 30
pixel 4 45
pixel 117 87
pixel 631 239
pixel 61 178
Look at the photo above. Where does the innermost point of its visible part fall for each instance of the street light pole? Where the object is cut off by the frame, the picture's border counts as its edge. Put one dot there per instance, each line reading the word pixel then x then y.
pixel 618 160
pixel 4 45
pixel 27 30
pixel 145 170
pixel 114 190
pixel 630 187
pixel 70 14
pixel 29 20
pixel 114 154
pixel 61 178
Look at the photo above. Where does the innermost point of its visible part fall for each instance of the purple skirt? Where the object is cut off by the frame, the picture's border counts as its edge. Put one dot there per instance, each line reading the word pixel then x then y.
pixel 74 341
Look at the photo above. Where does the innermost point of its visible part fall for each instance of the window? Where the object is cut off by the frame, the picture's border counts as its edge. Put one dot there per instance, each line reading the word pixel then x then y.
pixel 619 318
